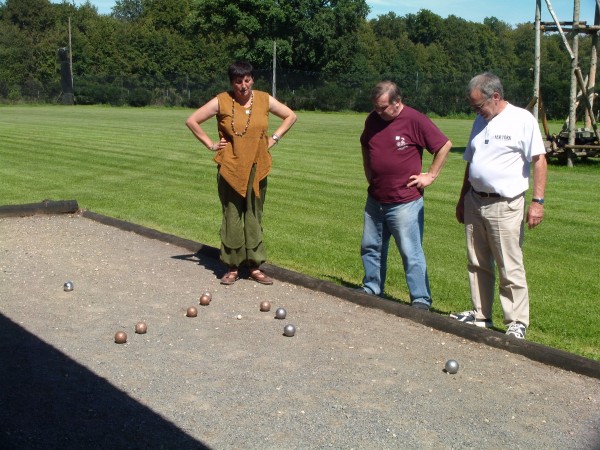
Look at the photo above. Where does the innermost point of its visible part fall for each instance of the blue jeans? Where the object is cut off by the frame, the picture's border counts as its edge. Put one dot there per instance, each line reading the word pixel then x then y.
pixel 405 222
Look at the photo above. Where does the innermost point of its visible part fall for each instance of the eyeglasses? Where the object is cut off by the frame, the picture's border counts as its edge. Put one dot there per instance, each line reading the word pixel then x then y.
pixel 381 108
pixel 477 108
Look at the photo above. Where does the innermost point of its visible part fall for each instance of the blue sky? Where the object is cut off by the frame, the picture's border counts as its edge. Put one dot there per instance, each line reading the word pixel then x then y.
pixel 510 11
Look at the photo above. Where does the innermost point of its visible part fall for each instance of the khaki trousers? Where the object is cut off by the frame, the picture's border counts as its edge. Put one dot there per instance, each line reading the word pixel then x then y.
pixel 494 231
pixel 241 227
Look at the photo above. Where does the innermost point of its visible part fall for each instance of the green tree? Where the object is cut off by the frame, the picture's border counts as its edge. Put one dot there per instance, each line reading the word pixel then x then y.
pixel 31 16
pixel 168 14
pixel 128 10
pixel 14 54
pixel 311 34
pixel 424 27
pixel 176 52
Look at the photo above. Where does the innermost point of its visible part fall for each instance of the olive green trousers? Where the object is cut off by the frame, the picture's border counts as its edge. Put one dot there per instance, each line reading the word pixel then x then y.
pixel 241 227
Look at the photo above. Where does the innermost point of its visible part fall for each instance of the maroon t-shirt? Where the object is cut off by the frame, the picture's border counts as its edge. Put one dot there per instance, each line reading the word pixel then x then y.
pixel 396 152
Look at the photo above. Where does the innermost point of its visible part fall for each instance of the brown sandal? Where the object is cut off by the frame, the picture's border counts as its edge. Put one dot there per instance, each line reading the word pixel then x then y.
pixel 230 277
pixel 260 277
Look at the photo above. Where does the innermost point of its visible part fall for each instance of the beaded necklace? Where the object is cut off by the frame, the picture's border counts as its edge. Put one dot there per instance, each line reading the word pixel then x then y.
pixel 248 112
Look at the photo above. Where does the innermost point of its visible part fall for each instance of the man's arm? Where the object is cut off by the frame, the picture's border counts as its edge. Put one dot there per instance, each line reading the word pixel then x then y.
pixel 366 163
pixel 460 206
pixel 535 212
pixel 439 159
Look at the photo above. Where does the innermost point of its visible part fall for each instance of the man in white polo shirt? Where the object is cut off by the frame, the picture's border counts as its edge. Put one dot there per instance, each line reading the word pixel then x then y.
pixel 505 142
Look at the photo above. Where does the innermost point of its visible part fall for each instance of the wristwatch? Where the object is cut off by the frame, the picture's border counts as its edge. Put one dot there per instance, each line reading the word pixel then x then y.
pixel 538 200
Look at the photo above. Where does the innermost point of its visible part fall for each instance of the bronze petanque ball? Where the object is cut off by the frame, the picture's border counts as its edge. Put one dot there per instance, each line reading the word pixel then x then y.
pixel 192 312
pixel 205 299
pixel 141 328
pixel 120 337
pixel 280 313
pixel 451 366
pixel 289 330
pixel 265 306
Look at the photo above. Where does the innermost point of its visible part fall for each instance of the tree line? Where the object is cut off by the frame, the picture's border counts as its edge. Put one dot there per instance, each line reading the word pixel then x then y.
pixel 328 53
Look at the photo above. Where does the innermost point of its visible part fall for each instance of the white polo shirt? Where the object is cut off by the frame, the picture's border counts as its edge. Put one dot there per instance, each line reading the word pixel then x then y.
pixel 500 151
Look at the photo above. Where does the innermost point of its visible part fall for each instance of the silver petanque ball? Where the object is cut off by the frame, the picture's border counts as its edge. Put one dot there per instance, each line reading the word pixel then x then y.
pixel 68 286
pixel 280 313
pixel 289 330
pixel 451 366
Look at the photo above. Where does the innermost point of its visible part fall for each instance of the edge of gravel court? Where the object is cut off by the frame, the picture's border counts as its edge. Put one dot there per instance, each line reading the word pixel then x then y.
pixel 534 351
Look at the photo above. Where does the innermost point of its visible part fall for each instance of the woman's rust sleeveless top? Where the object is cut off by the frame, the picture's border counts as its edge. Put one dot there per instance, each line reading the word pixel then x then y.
pixel 245 146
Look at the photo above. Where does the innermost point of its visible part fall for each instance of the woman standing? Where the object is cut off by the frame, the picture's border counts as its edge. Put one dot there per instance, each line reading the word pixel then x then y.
pixel 244 161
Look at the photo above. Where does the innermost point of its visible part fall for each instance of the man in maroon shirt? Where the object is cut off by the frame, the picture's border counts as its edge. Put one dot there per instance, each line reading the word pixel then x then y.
pixel 392 146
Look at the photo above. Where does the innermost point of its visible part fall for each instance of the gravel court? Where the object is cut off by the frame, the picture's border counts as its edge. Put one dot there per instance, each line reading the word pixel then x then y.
pixel 351 377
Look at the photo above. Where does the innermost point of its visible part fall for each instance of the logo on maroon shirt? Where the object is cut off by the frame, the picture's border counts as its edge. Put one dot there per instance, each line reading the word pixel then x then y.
pixel 400 143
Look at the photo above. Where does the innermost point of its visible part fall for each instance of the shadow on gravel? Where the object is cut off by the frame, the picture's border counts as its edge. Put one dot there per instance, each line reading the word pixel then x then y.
pixel 209 262
pixel 47 400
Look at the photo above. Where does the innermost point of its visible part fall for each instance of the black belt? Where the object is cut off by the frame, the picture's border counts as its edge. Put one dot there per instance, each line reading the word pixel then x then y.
pixel 487 194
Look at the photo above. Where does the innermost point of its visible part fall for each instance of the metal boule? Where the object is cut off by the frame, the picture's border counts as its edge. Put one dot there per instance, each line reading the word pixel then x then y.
pixel 205 299
pixel 265 306
pixel 451 366
pixel 120 337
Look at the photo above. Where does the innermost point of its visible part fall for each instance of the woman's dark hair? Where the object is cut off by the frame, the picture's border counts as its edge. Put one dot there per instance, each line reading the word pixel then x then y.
pixel 240 69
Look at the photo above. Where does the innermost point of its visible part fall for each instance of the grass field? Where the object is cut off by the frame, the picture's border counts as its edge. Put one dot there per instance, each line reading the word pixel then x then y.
pixel 144 166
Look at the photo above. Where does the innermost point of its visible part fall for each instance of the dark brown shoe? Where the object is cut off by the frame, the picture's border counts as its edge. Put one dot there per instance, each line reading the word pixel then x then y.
pixel 230 277
pixel 260 277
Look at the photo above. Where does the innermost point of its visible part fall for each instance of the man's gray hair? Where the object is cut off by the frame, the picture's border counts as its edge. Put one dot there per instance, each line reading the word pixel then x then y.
pixel 487 83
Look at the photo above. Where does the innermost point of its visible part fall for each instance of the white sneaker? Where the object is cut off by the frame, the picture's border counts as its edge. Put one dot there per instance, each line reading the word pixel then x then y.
pixel 516 329
pixel 469 317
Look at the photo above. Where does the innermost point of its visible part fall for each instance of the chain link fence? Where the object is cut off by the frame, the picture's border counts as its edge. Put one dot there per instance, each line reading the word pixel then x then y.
pixel 301 90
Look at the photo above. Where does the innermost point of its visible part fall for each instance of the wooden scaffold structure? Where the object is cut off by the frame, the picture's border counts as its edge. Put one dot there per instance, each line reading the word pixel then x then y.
pixel 571 142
